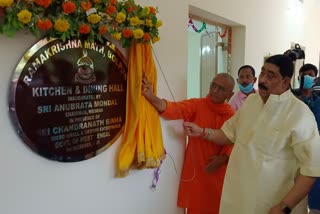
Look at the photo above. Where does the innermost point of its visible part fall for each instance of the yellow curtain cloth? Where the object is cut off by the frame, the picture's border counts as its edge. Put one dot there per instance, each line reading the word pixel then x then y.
pixel 142 145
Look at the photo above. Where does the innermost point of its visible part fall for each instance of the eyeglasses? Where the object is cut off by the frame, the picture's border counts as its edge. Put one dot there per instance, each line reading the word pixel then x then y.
pixel 218 87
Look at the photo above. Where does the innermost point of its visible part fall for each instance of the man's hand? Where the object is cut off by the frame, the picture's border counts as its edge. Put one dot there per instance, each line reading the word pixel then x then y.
pixel 277 209
pixel 146 88
pixel 216 161
pixel 192 129
pixel 147 92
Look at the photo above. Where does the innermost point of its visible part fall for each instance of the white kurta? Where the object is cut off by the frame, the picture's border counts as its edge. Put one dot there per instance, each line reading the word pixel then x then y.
pixel 273 143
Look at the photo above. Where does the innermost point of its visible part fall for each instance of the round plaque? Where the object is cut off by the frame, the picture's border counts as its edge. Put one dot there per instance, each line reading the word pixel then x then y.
pixel 67 99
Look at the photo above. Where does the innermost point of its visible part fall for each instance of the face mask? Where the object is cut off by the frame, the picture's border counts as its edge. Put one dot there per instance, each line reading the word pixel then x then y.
pixel 307 82
pixel 246 89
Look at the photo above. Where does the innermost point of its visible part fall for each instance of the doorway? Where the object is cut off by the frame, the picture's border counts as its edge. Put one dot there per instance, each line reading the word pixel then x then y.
pixel 207 55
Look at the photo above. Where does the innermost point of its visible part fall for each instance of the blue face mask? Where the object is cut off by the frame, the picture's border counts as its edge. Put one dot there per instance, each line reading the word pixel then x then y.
pixel 246 89
pixel 308 82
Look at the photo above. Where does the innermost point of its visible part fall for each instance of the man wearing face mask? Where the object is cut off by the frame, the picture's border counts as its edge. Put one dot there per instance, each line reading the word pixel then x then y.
pixel 307 75
pixel 246 80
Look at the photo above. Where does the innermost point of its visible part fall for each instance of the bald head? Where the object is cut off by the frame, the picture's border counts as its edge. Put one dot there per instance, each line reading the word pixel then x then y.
pixel 228 80
pixel 221 88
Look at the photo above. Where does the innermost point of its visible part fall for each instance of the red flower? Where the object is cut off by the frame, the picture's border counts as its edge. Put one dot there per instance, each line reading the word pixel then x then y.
pixel 113 2
pixel 44 24
pixel 130 9
pixel 111 9
pixel 84 29
pixel 152 10
pixel 68 7
pixel 86 5
pixel 127 33
pixel 43 3
pixel 103 30
pixel 146 37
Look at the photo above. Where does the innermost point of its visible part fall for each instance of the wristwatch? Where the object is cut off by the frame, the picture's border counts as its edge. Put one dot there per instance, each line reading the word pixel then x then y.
pixel 286 209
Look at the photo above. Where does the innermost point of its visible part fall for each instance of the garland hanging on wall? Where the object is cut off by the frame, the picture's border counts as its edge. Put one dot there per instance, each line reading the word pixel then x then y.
pixel 91 19
pixel 223 34
pixel 203 27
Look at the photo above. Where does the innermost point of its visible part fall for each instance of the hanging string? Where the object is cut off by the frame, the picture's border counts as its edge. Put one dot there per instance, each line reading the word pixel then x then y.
pixel 203 27
pixel 157 171
pixel 156 175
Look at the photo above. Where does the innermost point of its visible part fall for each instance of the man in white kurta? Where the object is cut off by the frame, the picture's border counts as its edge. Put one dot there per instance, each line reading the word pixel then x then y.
pixel 276 154
pixel 273 140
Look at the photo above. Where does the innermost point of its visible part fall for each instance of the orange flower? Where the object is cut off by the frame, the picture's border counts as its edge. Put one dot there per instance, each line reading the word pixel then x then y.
pixel 130 9
pixel 68 7
pixel 146 37
pixel 103 30
pixel 152 10
pixel 44 24
pixel 127 33
pixel 85 5
pixel 43 3
pixel 111 9
pixel 113 2
pixel 84 29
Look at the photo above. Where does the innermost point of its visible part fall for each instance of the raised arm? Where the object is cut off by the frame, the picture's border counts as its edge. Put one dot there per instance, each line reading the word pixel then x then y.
pixel 213 135
pixel 155 101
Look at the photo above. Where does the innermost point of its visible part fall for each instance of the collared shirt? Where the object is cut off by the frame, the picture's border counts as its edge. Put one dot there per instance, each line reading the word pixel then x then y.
pixel 274 141
pixel 238 99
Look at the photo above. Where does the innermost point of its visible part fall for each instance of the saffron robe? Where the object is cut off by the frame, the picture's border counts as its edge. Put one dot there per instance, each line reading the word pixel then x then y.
pixel 200 190
pixel 273 143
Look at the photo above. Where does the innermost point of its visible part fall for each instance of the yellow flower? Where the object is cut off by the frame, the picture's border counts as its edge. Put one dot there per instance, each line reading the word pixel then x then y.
pixel 134 21
pixel 6 3
pixel 24 16
pixel 116 36
pixel 149 22
pixel 138 33
pixel 94 18
pixel 158 24
pixel 155 39
pixel 120 17
pixel 147 10
pixel 61 25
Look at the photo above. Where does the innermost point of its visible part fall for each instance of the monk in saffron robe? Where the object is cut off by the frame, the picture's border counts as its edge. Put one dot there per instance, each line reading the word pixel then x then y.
pixel 201 183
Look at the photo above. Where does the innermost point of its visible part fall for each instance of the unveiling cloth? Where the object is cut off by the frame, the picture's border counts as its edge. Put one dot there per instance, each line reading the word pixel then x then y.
pixel 274 142
pixel 198 190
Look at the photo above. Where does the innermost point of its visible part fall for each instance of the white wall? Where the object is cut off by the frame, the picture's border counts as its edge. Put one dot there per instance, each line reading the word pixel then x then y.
pixel 32 184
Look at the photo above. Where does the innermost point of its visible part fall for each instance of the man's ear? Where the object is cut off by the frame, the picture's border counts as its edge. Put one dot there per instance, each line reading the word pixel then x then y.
pixel 254 80
pixel 230 95
pixel 287 81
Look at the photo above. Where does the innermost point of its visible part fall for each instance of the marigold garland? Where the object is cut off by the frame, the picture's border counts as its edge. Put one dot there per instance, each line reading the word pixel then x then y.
pixel 65 19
